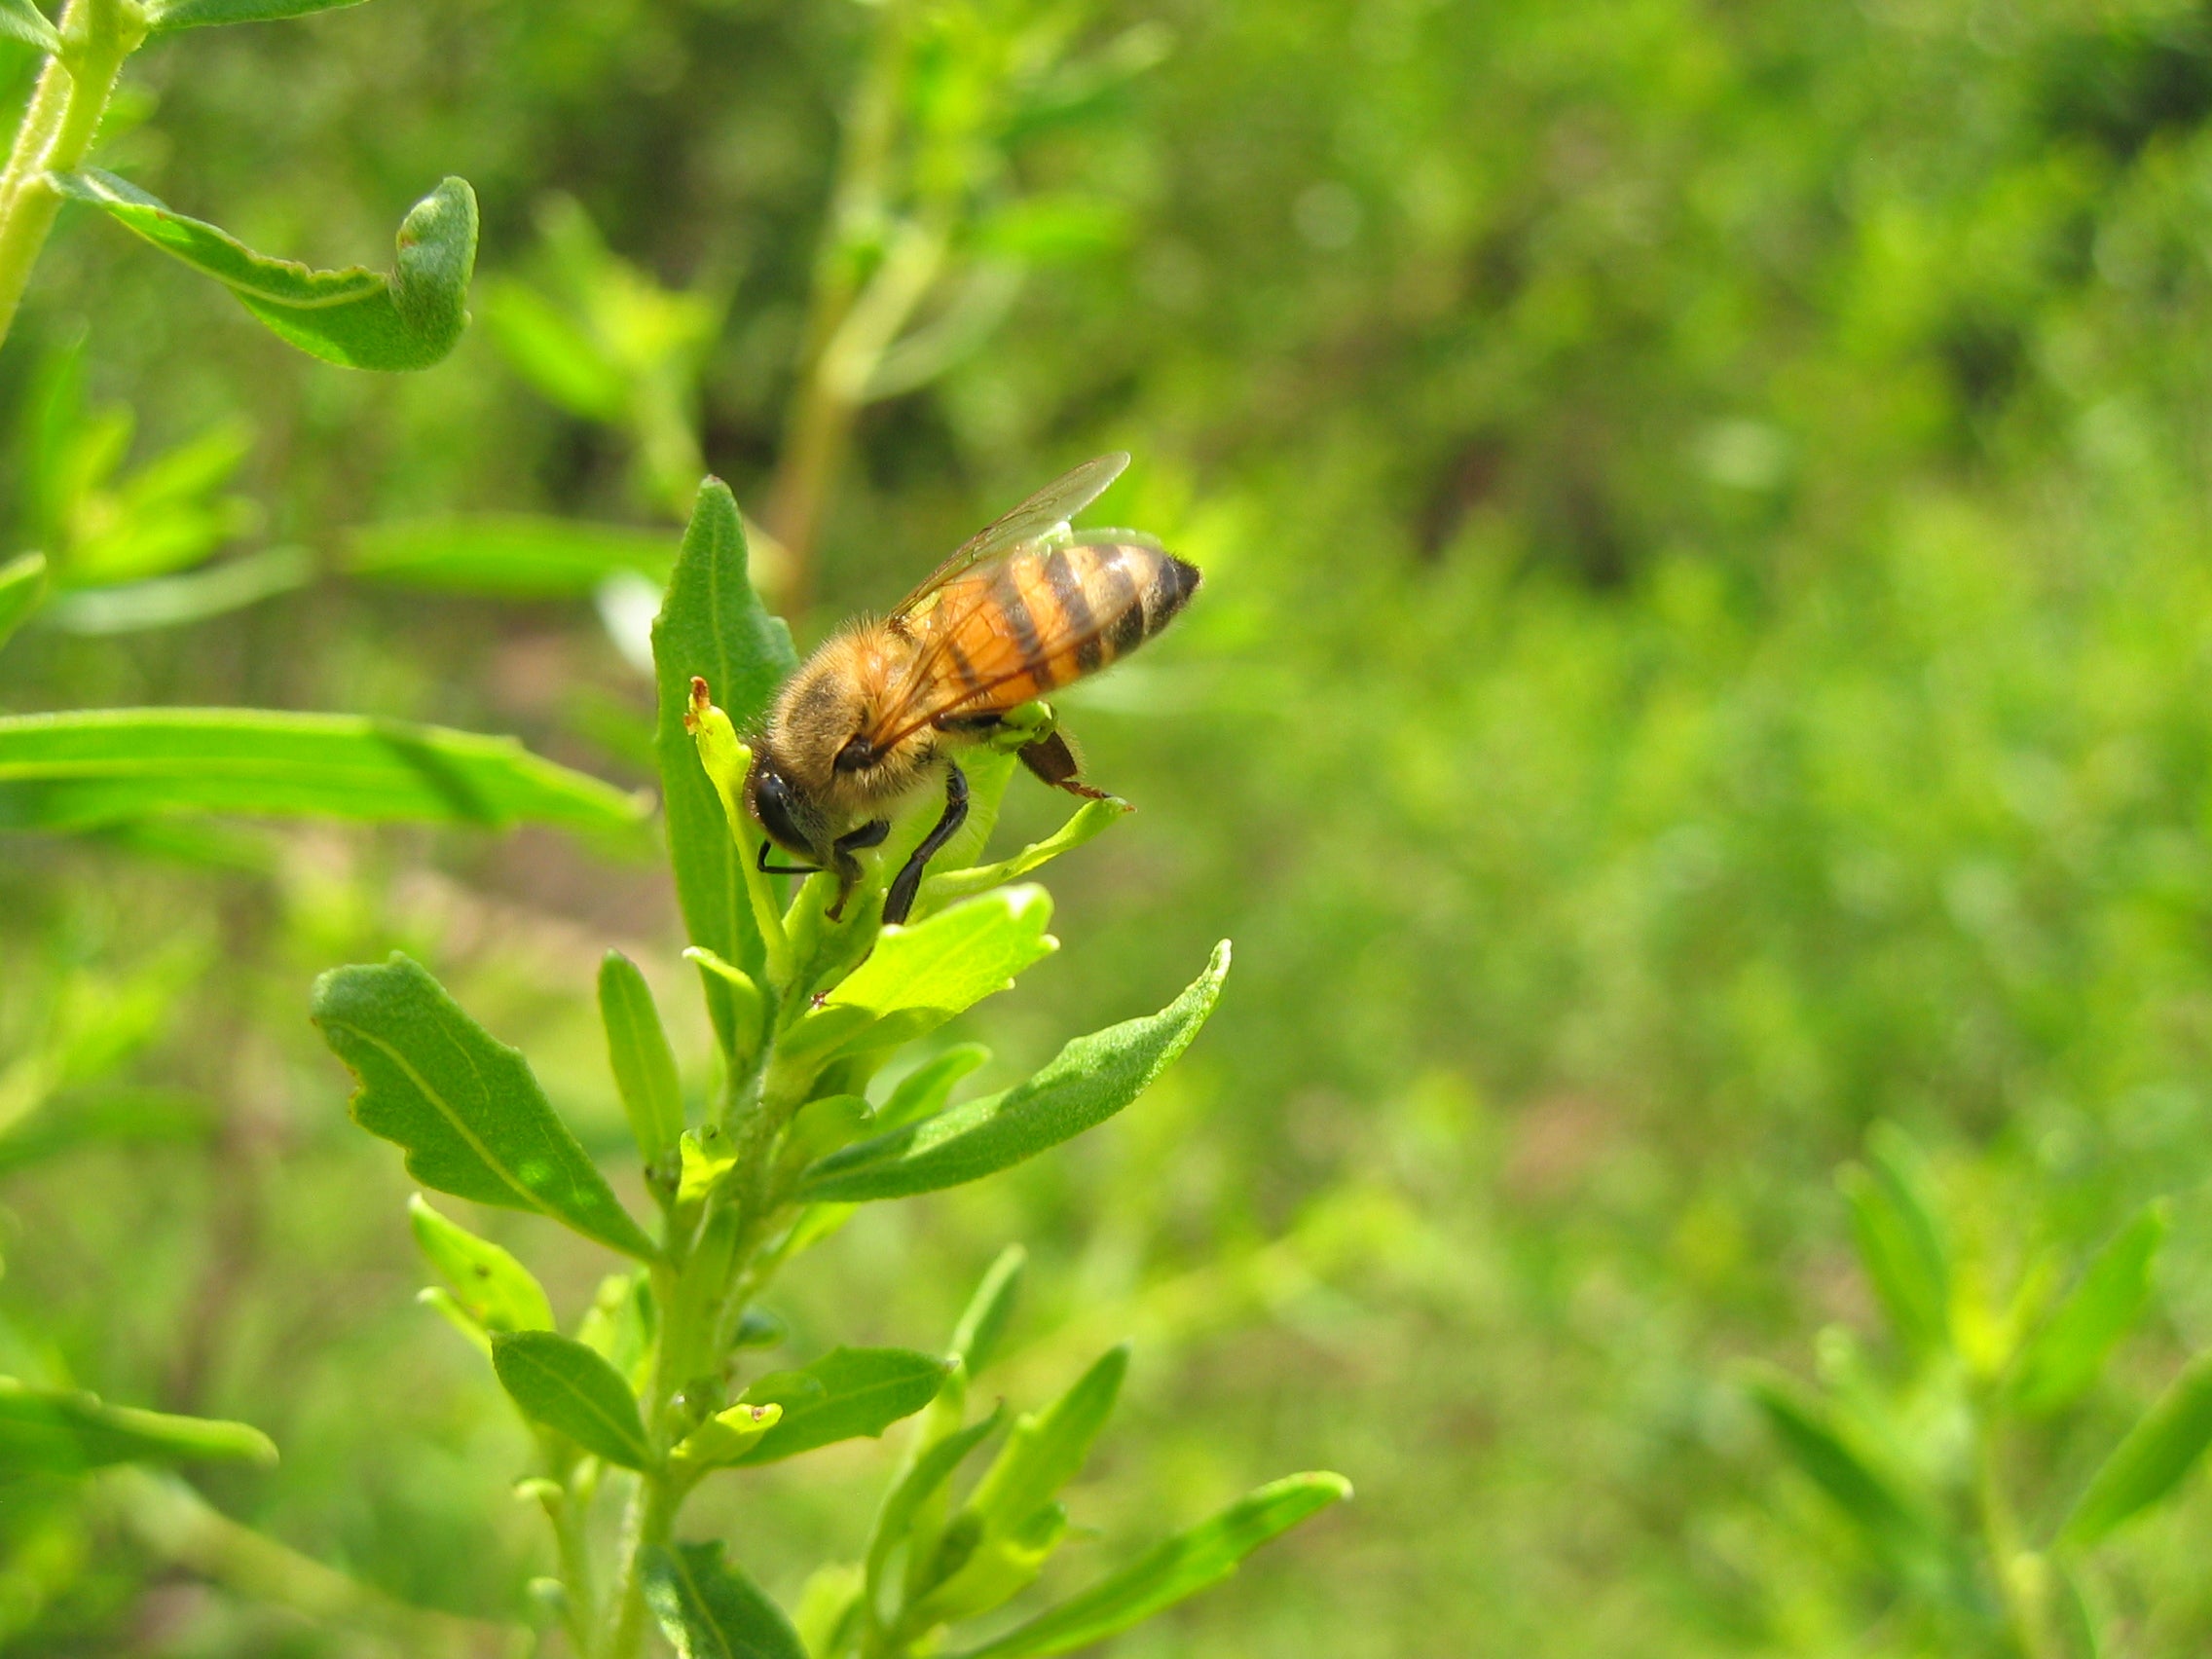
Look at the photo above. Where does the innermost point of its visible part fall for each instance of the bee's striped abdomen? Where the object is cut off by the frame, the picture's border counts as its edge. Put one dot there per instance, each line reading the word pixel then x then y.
pixel 1049 615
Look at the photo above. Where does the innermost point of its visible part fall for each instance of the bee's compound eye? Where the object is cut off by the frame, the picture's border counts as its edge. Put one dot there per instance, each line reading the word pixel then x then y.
pixel 773 805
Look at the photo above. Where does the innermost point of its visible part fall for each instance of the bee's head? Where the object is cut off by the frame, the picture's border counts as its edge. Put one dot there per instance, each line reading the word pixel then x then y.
pixel 779 808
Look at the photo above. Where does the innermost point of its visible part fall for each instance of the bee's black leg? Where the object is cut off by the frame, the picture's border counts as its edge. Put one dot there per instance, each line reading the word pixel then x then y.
pixel 848 867
pixel 1052 761
pixel 868 834
pixel 900 901
pixel 762 864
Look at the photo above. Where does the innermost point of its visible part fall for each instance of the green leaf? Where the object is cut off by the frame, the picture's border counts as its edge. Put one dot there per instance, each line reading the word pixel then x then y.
pixel 1851 1477
pixel 166 15
pixel 923 1477
pixel 709 1609
pixel 61 1431
pixel 91 767
pixel 923 1091
pixel 117 1115
pixel 1900 1244
pixel 975 1338
pixel 488 1284
pixel 21 21
pixel 1048 1448
pixel 2151 1461
pixel 507 555
pixel 845 1393
pixel 1090 1079
pixel 644 1062
pixel 991 1568
pixel 712 626
pixel 173 602
pixel 726 1436
pixel 357 317
pixel 1174 1571
pixel 919 977
pixel 462 1105
pixel 1089 820
pixel 22 584
pixel 564 1385
pixel 2068 1352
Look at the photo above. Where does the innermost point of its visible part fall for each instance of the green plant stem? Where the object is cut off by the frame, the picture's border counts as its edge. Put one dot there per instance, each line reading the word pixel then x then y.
pixel 57 128
pixel 2020 1576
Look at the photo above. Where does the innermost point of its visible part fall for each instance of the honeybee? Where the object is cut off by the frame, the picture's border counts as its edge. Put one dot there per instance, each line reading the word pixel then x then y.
pixel 878 712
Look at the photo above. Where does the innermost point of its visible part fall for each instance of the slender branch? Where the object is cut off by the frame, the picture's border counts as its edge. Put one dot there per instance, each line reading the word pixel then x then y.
pixel 2020 1584
pixel 57 128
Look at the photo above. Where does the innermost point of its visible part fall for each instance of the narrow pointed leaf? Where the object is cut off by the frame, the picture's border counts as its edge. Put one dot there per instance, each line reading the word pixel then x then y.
pixel 917 978
pixel 164 16
pixel 1090 1079
pixel 508 556
pixel 923 1091
pixel 644 1062
pixel 709 1609
pixel 22 584
pixel 1174 1571
pixel 358 318
pixel 1048 1448
pixel 2068 1352
pixel 975 1338
pixel 2157 1452
pixel 846 1393
pixel 463 1106
pixel 21 21
pixel 565 1386
pixel 921 1481
pixel 1901 1244
pixel 91 767
pixel 487 1282
pixel 1091 820
pixel 1851 1477
pixel 712 626
pixel 62 1431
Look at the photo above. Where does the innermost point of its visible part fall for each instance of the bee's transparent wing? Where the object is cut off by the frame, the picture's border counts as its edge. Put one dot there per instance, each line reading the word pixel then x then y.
pixel 1053 505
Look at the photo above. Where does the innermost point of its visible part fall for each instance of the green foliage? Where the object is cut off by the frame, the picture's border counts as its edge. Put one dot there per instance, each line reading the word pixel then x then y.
pixel 712 627
pixel 22 584
pixel 711 1610
pixel 565 1387
pixel 2065 1356
pixel 21 21
pixel 493 1289
pixel 75 770
pixel 510 556
pixel 1090 1079
pixel 919 977
pixel 846 1393
pixel 463 1106
pixel 64 1432
pixel 357 317
pixel 2158 1454
pixel 644 1065
pixel 164 16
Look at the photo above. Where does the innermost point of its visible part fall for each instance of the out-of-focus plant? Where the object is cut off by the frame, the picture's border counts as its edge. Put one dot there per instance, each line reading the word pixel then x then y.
pixel 650 1394
pixel 1972 1465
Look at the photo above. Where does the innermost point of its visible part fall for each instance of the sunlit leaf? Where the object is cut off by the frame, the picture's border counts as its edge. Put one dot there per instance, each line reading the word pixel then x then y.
pixel 712 626
pixel 507 554
pixel 1174 1571
pixel 2157 1452
pixel 919 977
pixel 2068 1352
pixel 709 1609
pixel 565 1386
pixel 1090 1079
pixel 923 1091
pixel 920 1482
pixel 357 317
pixel 22 584
pixel 105 1117
pixel 173 602
pixel 463 1106
pixel 846 1393
pixel 1088 822
pixel 164 16
pixel 61 1431
pixel 487 1282
pixel 1048 1448
pixel 98 767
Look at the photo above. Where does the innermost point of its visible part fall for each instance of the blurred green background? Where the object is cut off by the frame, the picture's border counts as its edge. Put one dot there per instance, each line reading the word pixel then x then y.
pixel 1707 645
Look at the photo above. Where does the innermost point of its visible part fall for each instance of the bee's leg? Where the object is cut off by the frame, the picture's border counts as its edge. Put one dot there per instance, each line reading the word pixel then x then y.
pixel 762 864
pixel 900 901
pixel 868 834
pixel 1052 759
pixel 848 867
